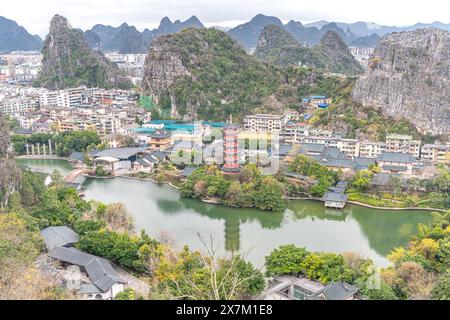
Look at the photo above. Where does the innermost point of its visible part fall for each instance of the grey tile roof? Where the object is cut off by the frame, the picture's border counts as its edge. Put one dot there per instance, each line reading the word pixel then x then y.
pixel 159 155
pixel 151 158
pixel 312 148
pixel 161 135
pixel 100 271
pixel 60 236
pixel 338 163
pixel 89 289
pixel 366 162
pixel 22 131
pixel 335 197
pixel 396 157
pixel 331 152
pixel 188 171
pixel 284 149
pixel 395 168
pixel 339 291
pixel 119 153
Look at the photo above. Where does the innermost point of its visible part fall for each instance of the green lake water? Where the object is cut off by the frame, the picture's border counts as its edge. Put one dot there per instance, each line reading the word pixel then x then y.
pixel 372 233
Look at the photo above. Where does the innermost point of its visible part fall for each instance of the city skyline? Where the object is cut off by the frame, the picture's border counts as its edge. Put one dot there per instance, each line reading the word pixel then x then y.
pixel 148 13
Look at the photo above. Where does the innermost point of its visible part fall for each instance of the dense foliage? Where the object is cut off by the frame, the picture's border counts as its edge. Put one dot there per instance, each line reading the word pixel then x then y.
pixel 67 142
pixel 196 276
pixel 129 251
pixel 225 80
pixel 306 166
pixel 20 245
pixel 247 189
pixel 402 193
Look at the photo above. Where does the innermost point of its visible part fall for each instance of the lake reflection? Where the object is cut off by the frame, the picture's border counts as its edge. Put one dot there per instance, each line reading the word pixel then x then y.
pixel 373 233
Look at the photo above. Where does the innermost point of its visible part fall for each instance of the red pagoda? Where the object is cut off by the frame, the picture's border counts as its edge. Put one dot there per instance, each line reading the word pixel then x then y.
pixel 231 154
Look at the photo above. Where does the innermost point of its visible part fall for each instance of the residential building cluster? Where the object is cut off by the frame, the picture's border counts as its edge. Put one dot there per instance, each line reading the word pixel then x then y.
pixel 293 132
pixel 74 109
pixel 132 64
pixel 362 55
pixel 19 67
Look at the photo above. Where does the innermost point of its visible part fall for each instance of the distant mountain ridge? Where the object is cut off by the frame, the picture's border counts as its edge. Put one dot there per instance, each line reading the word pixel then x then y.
pixel 368 28
pixel 127 39
pixel 358 34
pixel 247 34
pixel 16 38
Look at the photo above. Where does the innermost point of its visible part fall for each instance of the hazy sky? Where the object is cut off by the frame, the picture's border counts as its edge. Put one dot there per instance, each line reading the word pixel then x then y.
pixel 35 15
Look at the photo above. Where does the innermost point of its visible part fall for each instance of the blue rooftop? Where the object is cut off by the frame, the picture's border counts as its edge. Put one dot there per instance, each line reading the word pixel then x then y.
pixel 172 125
pixel 144 130
pixel 164 122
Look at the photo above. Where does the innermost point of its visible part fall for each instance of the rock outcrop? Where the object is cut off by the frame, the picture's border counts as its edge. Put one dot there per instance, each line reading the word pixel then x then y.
pixel 68 61
pixel 279 47
pixel 409 77
pixel 340 59
pixel 205 74
pixel 93 40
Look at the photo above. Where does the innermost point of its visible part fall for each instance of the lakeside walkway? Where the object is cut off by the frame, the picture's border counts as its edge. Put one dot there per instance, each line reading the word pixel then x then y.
pixel 42 157
pixel 75 174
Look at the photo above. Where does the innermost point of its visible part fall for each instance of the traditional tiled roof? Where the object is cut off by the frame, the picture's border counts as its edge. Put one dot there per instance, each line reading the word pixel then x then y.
pixel 339 291
pixel 335 197
pixel 396 157
pixel 188 171
pixel 100 271
pixel 119 153
pixel 59 236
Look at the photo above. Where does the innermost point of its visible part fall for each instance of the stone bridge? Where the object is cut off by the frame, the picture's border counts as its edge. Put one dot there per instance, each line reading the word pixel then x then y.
pixel 72 175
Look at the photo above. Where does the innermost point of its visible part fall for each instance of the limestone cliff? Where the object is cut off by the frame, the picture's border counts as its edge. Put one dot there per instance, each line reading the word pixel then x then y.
pixel 68 61
pixel 203 73
pixel 409 77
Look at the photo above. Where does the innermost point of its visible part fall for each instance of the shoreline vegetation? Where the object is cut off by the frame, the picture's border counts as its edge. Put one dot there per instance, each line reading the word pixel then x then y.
pixel 419 270
pixel 216 201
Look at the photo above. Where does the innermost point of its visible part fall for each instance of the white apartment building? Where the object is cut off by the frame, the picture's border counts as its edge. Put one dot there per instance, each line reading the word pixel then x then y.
pixel 62 98
pixel 328 141
pixel 55 99
pixel 294 133
pixel 27 121
pixel 434 153
pixel 107 125
pixel 403 144
pixel 369 149
pixel 12 105
pixel 76 96
pixel 349 146
pixel 270 123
